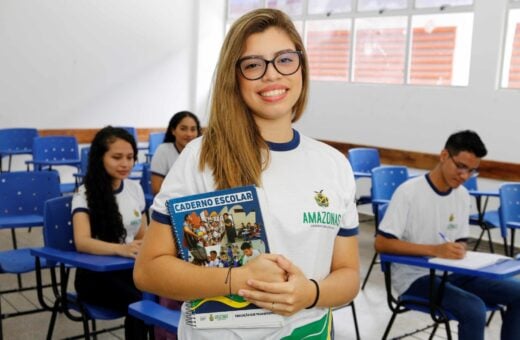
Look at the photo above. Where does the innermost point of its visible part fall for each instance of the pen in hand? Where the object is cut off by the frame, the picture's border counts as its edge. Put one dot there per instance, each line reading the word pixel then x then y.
pixel 444 237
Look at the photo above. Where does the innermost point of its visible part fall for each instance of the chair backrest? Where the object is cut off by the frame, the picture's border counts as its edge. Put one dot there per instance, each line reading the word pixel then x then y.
pixel 24 192
pixel 57 224
pixel 146 179
pixel 385 179
pixel 471 183
pixel 85 151
pixel 363 159
pixel 53 148
pixel 17 139
pixel 509 210
pixel 131 130
pixel 154 140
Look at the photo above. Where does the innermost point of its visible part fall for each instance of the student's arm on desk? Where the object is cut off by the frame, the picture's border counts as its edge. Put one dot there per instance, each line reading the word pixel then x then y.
pixel 159 271
pixel 85 243
pixel 448 250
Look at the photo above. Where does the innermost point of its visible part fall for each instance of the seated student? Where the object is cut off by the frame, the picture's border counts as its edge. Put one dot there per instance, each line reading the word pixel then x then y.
pixel 426 207
pixel 182 128
pixel 249 253
pixel 108 220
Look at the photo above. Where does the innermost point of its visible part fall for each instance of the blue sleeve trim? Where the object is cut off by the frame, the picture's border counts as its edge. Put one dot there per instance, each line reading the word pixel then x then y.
pixel 161 218
pixel 348 232
pixel 158 174
pixel 387 235
pixel 77 210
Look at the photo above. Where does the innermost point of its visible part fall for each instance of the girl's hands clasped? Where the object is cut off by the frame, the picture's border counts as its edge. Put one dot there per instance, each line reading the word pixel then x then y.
pixel 283 297
pixel 130 249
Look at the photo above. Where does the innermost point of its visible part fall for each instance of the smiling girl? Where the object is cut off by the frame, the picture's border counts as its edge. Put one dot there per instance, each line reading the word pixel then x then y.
pixel 260 90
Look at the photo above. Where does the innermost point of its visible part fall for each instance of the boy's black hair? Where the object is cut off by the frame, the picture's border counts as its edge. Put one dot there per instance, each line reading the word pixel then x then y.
pixel 466 140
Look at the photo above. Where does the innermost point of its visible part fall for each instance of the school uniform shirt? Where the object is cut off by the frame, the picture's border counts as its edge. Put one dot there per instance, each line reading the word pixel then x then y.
pixel 418 213
pixel 307 199
pixel 163 158
pixel 130 200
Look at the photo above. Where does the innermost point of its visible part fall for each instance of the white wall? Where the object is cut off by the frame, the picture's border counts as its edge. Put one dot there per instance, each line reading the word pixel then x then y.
pixel 87 63
pixel 420 118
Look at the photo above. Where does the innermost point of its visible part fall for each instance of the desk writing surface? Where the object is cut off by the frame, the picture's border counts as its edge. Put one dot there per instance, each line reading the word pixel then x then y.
pixel 499 270
pixel 98 263
pixel 479 193
pixel 514 225
pixel 361 174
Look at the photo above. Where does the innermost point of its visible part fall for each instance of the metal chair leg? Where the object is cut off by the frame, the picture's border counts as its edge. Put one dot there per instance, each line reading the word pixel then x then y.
pixel 374 260
pixel 358 337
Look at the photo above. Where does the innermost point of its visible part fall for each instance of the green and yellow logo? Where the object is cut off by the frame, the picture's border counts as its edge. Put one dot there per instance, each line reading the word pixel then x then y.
pixel 321 199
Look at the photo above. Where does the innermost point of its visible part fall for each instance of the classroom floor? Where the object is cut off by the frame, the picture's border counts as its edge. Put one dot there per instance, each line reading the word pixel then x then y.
pixel 372 311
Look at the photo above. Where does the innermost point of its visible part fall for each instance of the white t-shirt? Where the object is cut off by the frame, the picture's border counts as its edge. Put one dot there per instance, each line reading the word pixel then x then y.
pixel 165 155
pixel 302 174
pixel 130 200
pixel 418 213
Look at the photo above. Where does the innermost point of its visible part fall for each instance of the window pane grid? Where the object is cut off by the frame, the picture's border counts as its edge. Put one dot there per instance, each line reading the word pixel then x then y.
pixel 400 48
pixel 328 52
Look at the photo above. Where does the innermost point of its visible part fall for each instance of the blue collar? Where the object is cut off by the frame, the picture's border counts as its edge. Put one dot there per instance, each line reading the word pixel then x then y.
pixel 118 190
pixel 440 193
pixel 288 146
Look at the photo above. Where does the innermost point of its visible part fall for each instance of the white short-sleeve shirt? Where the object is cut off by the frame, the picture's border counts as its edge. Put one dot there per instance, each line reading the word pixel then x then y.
pixel 131 203
pixel 418 213
pixel 165 155
pixel 307 199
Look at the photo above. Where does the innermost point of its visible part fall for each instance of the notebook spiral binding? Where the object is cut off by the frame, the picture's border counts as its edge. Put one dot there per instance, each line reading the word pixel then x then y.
pixel 190 319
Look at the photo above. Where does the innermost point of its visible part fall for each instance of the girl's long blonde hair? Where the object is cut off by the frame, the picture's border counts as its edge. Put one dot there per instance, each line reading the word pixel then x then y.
pixel 232 145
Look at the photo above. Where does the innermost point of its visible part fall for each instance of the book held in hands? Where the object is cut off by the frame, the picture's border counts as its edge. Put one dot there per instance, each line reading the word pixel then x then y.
pixel 221 229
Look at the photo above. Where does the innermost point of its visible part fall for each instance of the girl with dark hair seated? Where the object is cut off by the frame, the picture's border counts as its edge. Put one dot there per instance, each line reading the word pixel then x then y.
pixel 108 219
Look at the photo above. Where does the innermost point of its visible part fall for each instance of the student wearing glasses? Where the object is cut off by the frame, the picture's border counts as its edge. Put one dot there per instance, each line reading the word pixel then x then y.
pixel 429 216
pixel 260 90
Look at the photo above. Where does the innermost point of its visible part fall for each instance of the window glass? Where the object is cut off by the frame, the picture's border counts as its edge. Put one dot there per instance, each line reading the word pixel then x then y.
pixel 329 7
pixel 238 7
pixel 379 54
pixel 376 5
pixel 511 65
pixel 440 49
pixel 441 3
pixel 328 45
pixel 291 7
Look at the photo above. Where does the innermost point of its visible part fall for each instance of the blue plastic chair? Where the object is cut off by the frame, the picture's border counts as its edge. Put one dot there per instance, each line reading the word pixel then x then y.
pixel 154 140
pixel 146 184
pixel 487 221
pixel 16 141
pixel 154 314
pixel 363 160
pixel 52 151
pixel 509 212
pixel 58 234
pixel 83 166
pixel 22 198
pixel 385 179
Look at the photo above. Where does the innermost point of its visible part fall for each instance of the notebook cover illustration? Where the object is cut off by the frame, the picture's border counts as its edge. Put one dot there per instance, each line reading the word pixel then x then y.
pixel 221 229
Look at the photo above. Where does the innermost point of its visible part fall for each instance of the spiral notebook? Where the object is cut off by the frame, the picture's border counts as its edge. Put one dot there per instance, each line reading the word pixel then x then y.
pixel 221 229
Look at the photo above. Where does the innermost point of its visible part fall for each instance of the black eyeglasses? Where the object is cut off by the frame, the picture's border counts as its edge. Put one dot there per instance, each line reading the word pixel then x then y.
pixel 463 168
pixel 254 68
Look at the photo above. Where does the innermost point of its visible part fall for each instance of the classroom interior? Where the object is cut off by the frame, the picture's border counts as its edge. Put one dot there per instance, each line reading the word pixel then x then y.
pixel 74 67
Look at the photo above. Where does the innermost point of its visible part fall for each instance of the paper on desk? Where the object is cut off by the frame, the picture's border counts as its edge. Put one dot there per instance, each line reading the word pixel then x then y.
pixel 472 260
